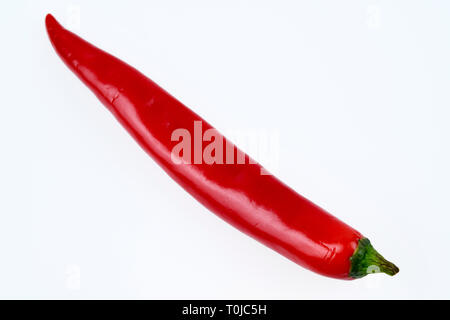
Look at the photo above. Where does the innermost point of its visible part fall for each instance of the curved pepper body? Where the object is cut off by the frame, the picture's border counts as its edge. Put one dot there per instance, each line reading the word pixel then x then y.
pixel 259 205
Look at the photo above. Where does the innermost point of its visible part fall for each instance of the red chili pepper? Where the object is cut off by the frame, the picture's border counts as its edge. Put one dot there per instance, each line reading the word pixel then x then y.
pixel 259 205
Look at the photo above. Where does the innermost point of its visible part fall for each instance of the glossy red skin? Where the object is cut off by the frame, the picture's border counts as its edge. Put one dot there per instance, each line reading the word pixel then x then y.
pixel 259 205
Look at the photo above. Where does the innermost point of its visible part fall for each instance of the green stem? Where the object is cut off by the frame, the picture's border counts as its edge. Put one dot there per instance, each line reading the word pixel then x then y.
pixel 367 260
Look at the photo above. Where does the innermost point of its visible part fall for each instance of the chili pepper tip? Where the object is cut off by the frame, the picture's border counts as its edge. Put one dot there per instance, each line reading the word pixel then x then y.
pixel 50 22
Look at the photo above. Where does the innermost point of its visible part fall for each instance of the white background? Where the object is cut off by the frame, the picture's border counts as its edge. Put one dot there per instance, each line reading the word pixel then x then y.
pixel 358 92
